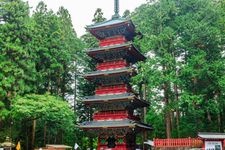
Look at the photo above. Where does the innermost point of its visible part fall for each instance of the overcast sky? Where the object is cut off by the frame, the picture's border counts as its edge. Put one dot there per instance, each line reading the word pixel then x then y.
pixel 82 11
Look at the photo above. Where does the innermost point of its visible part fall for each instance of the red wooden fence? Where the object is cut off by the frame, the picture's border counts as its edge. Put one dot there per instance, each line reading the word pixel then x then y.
pixel 182 142
pixel 224 143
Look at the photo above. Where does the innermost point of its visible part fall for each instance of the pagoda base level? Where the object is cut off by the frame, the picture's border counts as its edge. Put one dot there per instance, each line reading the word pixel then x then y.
pixel 119 147
pixel 117 141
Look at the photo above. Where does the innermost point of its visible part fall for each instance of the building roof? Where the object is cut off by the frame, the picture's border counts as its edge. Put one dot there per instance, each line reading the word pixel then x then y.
pixel 149 142
pixel 7 143
pixel 107 23
pixel 109 77
pixel 58 146
pixel 113 27
pixel 134 102
pixel 106 48
pixel 133 54
pixel 114 124
pixel 110 97
pixel 211 135
pixel 109 72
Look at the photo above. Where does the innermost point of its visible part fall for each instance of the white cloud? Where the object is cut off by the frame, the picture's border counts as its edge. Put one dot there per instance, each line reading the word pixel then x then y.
pixel 82 11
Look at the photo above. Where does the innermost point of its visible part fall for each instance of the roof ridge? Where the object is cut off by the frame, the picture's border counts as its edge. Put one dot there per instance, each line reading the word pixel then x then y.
pixel 215 133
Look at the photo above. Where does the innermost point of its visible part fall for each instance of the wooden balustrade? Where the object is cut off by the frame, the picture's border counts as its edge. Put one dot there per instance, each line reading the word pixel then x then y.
pixel 109 65
pixel 110 115
pixel 181 142
pixel 116 89
pixel 112 41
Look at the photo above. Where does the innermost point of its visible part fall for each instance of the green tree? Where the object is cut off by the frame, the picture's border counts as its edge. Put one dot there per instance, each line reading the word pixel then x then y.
pixel 56 47
pixel 57 50
pixel 17 71
pixel 126 14
pixel 72 51
pixel 38 113
pixel 98 16
pixel 37 55
pixel 183 42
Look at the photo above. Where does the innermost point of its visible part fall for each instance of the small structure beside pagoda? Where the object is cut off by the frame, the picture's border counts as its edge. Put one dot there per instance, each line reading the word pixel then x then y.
pixel 212 141
pixel 7 144
pixel 114 101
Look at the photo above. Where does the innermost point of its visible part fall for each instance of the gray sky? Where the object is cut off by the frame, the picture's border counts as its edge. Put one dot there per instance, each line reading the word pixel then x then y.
pixel 82 11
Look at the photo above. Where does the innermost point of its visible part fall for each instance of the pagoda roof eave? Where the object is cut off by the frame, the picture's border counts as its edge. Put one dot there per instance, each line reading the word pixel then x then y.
pixel 109 72
pixel 109 97
pixel 107 23
pixel 128 44
pixel 113 27
pixel 108 48
pixel 126 97
pixel 125 123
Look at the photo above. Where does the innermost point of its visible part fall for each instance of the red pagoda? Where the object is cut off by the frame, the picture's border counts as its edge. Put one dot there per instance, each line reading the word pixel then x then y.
pixel 114 121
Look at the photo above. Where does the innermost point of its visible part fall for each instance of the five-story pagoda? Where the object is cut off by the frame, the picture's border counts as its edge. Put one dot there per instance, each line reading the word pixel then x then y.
pixel 114 101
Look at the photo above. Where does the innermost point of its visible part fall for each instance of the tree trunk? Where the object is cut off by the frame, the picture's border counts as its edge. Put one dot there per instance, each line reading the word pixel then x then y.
pixel 172 122
pixel 144 98
pixel 63 84
pixel 177 110
pixel 62 137
pixel 58 89
pixel 48 138
pixel 168 125
pixel 27 142
pixel 75 90
pixel 27 135
pixel 144 114
pixel 167 111
pixel 219 122
pixel 209 116
pixel 48 83
pixel 33 133
pixel 45 129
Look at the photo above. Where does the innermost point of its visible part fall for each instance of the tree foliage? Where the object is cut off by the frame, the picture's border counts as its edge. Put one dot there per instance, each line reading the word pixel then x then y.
pixel 185 64
pixel 17 71
pixel 56 45
pixel 49 112
pixel 37 56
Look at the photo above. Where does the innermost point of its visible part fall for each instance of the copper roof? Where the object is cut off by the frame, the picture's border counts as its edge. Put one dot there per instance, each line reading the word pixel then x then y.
pixel 114 124
pixel 108 23
pixel 110 97
pixel 132 100
pixel 211 135
pixel 134 53
pixel 113 27
pixel 128 44
pixel 7 143
pixel 109 72
pixel 57 146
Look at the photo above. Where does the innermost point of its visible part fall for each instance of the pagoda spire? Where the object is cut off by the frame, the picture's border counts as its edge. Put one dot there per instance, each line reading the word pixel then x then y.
pixel 116 9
